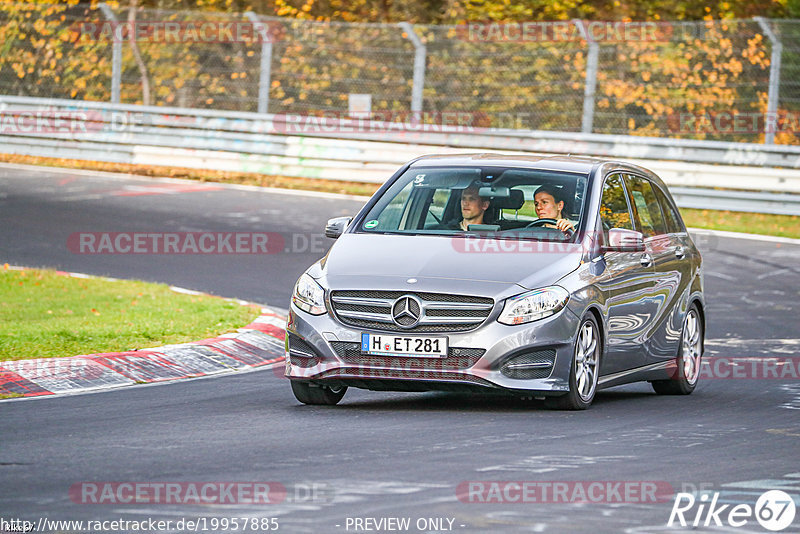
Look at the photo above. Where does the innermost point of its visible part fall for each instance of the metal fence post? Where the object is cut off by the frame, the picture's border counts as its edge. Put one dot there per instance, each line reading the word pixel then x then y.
pixel 420 55
pixel 771 121
pixel 116 55
pixel 265 78
pixel 587 124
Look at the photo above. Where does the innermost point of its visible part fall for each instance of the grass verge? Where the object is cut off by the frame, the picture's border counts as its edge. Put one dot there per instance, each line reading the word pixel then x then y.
pixel 44 314
pixel 751 223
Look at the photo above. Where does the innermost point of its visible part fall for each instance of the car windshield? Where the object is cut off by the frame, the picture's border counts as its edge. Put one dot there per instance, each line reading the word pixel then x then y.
pixel 494 201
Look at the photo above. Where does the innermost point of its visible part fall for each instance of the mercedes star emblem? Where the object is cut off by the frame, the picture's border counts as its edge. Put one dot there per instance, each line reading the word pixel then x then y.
pixel 406 311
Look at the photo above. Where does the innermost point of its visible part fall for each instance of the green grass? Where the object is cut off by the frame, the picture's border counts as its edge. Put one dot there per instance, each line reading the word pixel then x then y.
pixel 749 223
pixel 43 314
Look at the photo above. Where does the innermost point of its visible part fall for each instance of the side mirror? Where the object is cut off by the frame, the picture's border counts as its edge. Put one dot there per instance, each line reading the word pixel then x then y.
pixel 336 226
pixel 622 240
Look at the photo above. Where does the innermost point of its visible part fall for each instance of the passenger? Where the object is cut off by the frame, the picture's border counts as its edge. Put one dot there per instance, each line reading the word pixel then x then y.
pixel 548 203
pixel 473 208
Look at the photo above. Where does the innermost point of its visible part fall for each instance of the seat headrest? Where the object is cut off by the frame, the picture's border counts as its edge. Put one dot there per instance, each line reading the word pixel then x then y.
pixel 511 202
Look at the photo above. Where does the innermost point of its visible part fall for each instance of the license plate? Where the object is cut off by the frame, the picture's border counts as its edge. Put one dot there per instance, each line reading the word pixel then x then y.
pixel 424 347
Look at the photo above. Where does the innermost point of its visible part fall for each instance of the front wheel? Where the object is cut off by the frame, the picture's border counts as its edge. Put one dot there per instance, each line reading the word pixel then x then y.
pixel 318 395
pixel 688 361
pixel 584 369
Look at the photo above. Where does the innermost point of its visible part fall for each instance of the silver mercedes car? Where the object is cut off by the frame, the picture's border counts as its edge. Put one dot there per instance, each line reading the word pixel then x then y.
pixel 544 278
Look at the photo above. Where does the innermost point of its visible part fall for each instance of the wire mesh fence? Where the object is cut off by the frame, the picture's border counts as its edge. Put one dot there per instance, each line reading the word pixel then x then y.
pixel 191 59
pixel 317 65
pixel 40 54
pixel 695 80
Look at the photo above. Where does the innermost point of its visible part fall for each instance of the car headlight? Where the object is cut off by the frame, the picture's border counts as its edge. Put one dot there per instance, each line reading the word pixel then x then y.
pixel 534 305
pixel 309 296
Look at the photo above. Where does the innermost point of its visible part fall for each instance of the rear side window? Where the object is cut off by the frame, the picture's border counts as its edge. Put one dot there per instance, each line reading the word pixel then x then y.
pixel 614 211
pixel 671 217
pixel 646 208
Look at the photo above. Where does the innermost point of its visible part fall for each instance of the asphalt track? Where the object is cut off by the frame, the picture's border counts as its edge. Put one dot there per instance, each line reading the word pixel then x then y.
pixel 378 455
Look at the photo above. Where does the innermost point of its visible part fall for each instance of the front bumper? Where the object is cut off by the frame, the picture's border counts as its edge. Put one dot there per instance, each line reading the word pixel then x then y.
pixel 326 351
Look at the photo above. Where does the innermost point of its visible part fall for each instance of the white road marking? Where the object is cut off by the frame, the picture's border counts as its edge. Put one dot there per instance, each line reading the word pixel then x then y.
pixel 794 403
pixel 738 235
pixel 722 276
pixel 736 342
pixel 550 463
pixel 773 273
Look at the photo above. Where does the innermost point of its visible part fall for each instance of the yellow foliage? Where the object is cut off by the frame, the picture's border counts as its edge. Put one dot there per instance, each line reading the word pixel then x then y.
pixel 724 67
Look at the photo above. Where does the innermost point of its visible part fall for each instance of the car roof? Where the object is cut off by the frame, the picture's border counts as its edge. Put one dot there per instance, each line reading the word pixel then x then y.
pixel 576 164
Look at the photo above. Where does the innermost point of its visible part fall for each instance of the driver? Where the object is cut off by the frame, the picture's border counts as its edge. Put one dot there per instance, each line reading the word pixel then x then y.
pixel 473 208
pixel 548 203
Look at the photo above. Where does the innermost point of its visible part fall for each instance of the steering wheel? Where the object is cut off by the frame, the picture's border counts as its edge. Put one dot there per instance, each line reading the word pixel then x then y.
pixel 546 220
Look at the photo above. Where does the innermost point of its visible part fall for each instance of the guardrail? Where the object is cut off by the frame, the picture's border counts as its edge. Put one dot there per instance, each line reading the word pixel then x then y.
pixel 370 151
pixel 700 198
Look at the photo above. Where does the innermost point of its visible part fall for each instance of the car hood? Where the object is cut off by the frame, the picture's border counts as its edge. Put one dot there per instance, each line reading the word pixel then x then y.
pixel 489 267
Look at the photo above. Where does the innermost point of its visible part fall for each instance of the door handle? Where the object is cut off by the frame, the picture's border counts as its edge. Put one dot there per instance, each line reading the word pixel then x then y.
pixel 680 253
pixel 646 260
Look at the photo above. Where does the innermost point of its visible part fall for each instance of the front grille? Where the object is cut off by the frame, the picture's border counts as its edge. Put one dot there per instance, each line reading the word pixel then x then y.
pixel 529 365
pixel 437 312
pixel 368 309
pixel 301 353
pixel 455 313
pixel 457 358
pixel 441 297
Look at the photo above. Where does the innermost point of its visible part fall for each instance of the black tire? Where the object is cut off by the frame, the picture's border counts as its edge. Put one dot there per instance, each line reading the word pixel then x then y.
pixel 316 394
pixel 687 371
pixel 585 363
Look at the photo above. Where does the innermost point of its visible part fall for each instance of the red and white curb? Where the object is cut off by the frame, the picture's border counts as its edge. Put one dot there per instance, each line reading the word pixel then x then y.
pixel 259 344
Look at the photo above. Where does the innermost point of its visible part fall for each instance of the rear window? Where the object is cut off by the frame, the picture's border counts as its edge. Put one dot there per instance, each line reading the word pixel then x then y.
pixel 672 218
pixel 614 210
pixel 646 207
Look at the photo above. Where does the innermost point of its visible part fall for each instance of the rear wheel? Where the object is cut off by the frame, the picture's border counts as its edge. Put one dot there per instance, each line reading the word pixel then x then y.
pixel 308 393
pixel 583 371
pixel 688 361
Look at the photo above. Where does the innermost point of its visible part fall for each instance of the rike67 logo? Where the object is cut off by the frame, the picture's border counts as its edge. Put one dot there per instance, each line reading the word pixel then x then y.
pixel 774 510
